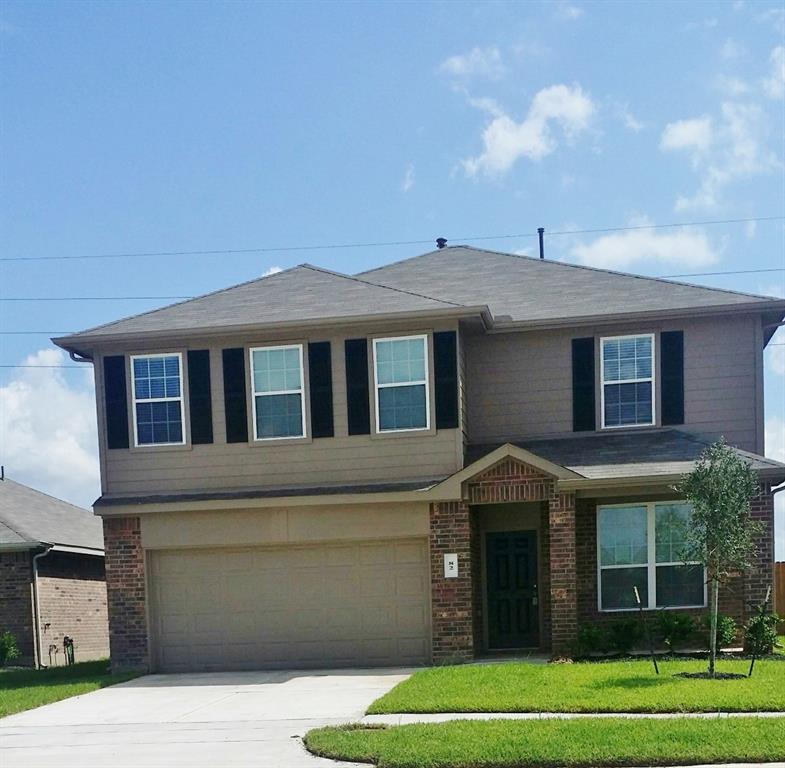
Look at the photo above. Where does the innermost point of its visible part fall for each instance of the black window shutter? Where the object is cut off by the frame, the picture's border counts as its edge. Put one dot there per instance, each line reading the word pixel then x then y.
pixel 116 400
pixel 672 383
pixel 445 369
pixel 235 406
pixel 320 381
pixel 200 401
pixel 358 404
pixel 583 408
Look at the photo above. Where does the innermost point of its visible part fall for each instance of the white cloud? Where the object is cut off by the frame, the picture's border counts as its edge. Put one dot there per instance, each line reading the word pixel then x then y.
pixel 775 359
pixel 505 141
pixel 48 429
pixel 408 178
pixel 272 271
pixel 708 23
pixel 568 12
pixel 722 151
pixel 732 87
pixel 774 86
pixel 685 247
pixel 628 119
pixel 774 17
pixel 479 62
pixel 751 229
pixel 731 50
pixel 695 135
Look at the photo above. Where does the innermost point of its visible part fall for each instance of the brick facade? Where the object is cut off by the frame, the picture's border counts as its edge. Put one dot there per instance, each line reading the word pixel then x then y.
pixel 16 601
pixel 72 602
pixel 734 596
pixel 457 620
pixel 452 600
pixel 126 594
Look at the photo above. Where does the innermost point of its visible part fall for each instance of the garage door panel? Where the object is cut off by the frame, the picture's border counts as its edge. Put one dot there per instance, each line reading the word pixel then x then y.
pixel 319 605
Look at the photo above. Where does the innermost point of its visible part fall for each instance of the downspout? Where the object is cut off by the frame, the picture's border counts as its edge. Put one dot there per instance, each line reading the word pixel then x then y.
pixel 37 607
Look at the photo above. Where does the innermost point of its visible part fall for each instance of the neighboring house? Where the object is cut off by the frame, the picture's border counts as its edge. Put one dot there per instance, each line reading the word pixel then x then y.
pixel 459 453
pixel 52 582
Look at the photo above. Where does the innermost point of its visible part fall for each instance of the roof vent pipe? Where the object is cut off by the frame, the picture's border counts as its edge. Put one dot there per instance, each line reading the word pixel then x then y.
pixel 541 232
pixel 441 242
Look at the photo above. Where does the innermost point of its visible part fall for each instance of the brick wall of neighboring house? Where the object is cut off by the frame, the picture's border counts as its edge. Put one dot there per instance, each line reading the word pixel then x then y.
pixel 16 605
pixel 452 599
pixel 733 595
pixel 72 601
pixel 125 587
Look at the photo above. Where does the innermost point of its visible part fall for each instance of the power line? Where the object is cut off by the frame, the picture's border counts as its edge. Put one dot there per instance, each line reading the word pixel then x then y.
pixel 91 298
pixel 381 244
pixel 163 298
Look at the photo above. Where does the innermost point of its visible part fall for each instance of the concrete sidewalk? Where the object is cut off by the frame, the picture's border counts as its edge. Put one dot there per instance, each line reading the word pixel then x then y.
pixel 443 717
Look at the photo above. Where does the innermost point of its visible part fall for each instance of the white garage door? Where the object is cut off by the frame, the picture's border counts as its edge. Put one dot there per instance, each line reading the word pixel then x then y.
pixel 294 606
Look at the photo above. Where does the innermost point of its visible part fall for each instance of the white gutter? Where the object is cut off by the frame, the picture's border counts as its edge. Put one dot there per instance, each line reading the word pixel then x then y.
pixel 37 607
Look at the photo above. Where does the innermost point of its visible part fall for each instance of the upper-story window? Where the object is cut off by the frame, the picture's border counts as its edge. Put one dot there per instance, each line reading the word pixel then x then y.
pixel 627 366
pixel 640 545
pixel 401 379
pixel 158 399
pixel 277 382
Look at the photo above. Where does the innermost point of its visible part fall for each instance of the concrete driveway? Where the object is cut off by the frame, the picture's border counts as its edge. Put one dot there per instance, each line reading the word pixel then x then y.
pixel 213 720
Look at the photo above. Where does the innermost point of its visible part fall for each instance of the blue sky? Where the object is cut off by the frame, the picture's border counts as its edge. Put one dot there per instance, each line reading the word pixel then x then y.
pixel 176 127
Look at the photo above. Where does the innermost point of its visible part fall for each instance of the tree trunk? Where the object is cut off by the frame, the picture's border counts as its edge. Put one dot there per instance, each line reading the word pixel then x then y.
pixel 715 602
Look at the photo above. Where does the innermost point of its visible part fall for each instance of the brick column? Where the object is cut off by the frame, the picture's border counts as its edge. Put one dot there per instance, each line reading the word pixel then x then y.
pixel 760 575
pixel 452 599
pixel 16 601
pixel 125 588
pixel 564 603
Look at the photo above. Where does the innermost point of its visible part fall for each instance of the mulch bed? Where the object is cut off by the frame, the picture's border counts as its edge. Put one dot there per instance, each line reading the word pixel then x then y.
pixel 707 676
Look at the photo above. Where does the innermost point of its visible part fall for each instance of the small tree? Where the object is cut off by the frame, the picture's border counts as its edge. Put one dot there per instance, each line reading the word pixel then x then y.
pixel 720 533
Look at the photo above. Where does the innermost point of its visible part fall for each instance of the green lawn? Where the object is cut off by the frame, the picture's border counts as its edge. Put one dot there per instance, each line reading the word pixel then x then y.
pixel 22 689
pixel 589 742
pixel 781 648
pixel 619 686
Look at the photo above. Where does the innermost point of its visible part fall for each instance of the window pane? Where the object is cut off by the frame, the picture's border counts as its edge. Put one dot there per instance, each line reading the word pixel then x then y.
pixel 276 370
pixel 158 423
pixel 628 404
pixel 670 527
pixel 679 585
pixel 156 377
pixel 617 587
pixel 400 361
pixel 627 359
pixel 402 407
pixel 279 416
pixel 623 536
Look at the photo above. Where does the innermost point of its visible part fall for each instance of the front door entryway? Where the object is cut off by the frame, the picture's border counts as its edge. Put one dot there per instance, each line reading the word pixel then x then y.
pixel 513 613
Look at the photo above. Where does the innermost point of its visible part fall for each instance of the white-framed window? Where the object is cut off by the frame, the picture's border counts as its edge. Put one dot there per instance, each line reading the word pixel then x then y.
pixel 400 373
pixel 278 392
pixel 627 366
pixel 157 388
pixel 639 545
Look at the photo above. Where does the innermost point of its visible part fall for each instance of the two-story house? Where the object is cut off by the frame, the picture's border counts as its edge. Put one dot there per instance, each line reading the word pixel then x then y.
pixel 456 454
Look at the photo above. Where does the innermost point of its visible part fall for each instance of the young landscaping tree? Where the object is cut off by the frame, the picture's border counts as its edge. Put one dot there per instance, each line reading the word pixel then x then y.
pixel 720 534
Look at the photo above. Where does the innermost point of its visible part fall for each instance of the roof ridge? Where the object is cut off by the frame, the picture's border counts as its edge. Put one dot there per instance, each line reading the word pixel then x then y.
pixel 386 287
pixel 552 262
pixel 185 301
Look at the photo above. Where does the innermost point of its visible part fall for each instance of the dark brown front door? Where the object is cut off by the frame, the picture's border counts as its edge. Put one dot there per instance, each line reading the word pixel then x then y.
pixel 513 613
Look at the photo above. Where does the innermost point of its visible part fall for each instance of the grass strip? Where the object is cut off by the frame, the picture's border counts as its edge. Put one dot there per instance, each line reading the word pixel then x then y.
pixel 551 743
pixel 22 689
pixel 618 686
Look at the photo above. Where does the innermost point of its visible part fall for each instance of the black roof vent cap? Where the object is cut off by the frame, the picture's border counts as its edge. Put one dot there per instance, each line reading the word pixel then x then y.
pixel 441 242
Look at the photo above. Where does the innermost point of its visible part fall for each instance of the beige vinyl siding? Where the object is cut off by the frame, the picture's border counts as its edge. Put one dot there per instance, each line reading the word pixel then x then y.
pixel 338 460
pixel 520 384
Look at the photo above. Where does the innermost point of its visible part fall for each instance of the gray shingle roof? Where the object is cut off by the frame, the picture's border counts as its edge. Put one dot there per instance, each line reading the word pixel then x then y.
pixel 521 288
pixel 299 294
pixel 625 455
pixel 28 516
pixel 516 288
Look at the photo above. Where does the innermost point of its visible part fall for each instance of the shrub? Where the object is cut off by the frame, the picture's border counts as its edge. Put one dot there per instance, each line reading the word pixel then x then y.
pixel 760 634
pixel 591 638
pixel 675 629
pixel 726 631
pixel 9 649
pixel 624 635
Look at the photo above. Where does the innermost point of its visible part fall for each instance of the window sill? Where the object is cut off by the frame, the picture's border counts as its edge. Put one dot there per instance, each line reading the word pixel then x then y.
pixel 654 610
